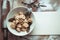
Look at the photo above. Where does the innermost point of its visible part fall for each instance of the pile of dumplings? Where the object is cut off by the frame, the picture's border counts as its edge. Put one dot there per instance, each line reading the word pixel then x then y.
pixel 21 22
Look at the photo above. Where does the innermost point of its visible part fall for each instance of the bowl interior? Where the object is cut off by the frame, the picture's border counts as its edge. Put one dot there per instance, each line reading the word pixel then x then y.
pixel 11 14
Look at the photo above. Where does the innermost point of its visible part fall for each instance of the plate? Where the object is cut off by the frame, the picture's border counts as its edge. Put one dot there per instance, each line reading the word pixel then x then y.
pixel 11 14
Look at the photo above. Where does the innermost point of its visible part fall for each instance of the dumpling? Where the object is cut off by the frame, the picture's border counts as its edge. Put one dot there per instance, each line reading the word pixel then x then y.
pixel 26 20
pixel 13 25
pixel 19 26
pixel 16 21
pixel 23 29
pixel 30 20
pixel 17 16
pixel 26 25
pixel 21 20
pixel 18 29
pixel 22 16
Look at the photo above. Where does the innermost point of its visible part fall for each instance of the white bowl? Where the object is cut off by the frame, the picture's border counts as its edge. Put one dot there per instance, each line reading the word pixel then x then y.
pixel 11 14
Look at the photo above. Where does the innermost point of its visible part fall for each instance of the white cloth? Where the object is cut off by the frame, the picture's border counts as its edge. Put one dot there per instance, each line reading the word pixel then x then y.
pixel 27 1
pixel 47 8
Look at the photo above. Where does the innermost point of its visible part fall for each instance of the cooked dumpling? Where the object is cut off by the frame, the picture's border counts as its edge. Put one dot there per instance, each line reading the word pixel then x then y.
pixel 13 25
pixel 26 25
pixel 23 29
pixel 16 21
pixel 30 20
pixel 21 20
pixel 19 26
pixel 18 29
pixel 22 16
pixel 26 20
pixel 17 16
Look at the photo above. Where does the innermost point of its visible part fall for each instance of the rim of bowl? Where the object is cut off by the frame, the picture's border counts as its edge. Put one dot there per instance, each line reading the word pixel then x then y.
pixel 7 20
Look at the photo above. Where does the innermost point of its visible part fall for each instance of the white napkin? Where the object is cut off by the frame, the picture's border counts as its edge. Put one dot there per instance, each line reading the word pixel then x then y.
pixel 47 23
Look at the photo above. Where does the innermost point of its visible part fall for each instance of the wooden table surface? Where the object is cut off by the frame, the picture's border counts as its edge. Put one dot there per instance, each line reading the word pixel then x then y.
pixel 1 34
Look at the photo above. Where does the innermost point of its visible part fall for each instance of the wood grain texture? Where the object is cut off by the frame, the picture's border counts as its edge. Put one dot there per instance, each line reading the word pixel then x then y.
pixel 1 34
pixel 0 12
